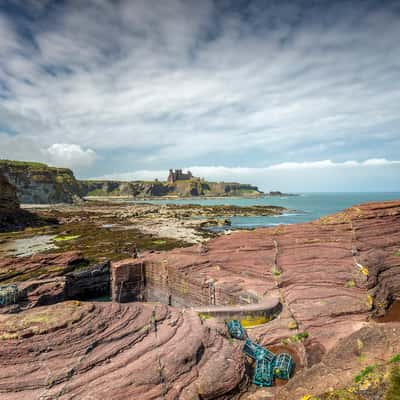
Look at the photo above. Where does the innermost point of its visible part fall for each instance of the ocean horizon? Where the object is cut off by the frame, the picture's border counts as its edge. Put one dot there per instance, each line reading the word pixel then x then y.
pixel 304 207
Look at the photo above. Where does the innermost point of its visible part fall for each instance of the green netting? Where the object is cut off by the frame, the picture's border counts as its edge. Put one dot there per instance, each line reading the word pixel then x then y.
pixel 263 373
pixel 257 352
pixel 8 295
pixel 283 366
pixel 236 330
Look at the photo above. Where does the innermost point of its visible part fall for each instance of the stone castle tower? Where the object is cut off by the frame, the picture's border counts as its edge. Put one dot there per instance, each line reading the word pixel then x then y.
pixel 178 175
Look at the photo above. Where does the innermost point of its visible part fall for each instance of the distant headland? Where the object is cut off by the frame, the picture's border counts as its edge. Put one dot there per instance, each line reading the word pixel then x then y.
pixel 39 183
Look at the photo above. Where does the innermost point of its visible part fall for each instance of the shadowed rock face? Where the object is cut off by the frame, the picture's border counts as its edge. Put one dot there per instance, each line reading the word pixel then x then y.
pixel 11 216
pixel 45 279
pixel 141 351
pixel 8 196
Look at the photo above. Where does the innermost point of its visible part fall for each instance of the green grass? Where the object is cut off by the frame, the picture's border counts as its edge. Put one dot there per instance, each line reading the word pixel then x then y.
pixel 13 163
pixel 298 337
pixel 204 316
pixel 366 371
pixel 393 392
pixel 350 284
pixel 397 253
pixel 395 359
pixel 276 272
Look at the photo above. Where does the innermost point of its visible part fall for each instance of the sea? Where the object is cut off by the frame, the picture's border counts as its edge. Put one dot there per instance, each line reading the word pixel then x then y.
pixel 303 207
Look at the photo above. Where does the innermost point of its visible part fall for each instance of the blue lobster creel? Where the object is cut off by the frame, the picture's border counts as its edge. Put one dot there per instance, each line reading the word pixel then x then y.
pixel 8 295
pixel 263 373
pixel 257 352
pixel 236 330
pixel 283 366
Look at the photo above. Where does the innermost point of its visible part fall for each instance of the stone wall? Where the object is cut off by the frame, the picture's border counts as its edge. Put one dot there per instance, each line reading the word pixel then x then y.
pixel 143 279
pixel 89 283
pixel 127 280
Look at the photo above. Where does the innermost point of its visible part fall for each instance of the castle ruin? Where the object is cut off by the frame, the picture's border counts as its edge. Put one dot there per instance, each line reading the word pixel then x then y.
pixel 178 175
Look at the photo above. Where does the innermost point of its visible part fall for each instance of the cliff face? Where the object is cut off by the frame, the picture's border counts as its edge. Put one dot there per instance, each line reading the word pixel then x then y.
pixel 9 205
pixel 38 183
pixel 117 188
pixel 189 188
pixel 11 216
pixel 8 196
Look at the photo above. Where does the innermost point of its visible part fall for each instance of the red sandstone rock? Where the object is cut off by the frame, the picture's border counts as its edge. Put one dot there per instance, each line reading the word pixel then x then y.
pixel 49 278
pixel 113 351
pixel 39 266
pixel 376 343
pixel 331 274
pixel 327 272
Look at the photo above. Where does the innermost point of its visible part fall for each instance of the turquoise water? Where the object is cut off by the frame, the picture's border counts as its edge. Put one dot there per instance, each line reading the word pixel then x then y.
pixel 307 206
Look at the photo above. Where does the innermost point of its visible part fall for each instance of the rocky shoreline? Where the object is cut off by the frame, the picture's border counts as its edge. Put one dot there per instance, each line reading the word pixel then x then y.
pixel 312 289
pixel 116 226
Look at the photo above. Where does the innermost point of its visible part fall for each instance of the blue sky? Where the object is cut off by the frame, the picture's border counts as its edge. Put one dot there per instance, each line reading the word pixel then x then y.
pixel 291 95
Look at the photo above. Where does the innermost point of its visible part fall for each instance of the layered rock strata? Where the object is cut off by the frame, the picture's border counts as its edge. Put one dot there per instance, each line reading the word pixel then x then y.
pixel 52 278
pixel 79 350
pixel 331 274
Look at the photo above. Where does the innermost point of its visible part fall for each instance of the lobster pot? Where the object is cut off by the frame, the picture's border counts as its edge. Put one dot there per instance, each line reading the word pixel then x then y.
pixel 257 352
pixel 236 330
pixel 263 373
pixel 8 295
pixel 283 367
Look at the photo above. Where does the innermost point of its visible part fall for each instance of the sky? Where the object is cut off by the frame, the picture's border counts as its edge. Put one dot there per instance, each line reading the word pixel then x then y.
pixel 287 95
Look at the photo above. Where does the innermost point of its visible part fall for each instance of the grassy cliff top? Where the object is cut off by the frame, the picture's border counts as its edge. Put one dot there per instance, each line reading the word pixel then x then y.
pixel 119 181
pixel 34 166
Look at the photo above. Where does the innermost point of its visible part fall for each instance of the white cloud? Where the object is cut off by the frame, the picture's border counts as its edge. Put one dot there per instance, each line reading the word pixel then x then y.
pixel 332 164
pixel 70 155
pixel 183 81
pixel 58 154
pixel 240 173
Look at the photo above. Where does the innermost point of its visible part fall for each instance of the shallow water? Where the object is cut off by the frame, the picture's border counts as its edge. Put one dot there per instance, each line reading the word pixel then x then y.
pixel 28 246
pixel 307 206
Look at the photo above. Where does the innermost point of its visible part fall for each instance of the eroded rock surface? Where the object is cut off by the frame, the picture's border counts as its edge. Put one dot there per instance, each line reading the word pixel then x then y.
pixel 51 278
pixel 331 273
pixel 141 351
pixel 370 346
pixel 332 276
